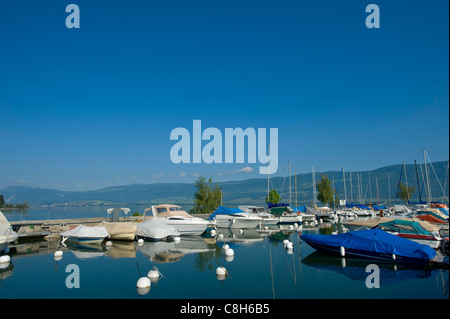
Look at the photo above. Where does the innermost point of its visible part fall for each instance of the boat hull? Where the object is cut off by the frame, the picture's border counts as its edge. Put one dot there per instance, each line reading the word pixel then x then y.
pixel 189 226
pixel 357 253
pixel 224 221
pixel 85 240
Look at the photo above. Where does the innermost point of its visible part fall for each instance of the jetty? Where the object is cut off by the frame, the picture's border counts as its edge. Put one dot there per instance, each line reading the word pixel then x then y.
pixel 30 229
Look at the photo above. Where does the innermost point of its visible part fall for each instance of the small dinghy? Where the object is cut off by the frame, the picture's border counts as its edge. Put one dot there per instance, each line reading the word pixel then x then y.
pixel 373 244
pixel 85 234
pixel 155 229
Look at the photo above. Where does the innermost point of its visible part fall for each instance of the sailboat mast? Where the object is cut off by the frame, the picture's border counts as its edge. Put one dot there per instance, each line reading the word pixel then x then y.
pixel 295 172
pixel 290 200
pixel 418 184
pixel 427 177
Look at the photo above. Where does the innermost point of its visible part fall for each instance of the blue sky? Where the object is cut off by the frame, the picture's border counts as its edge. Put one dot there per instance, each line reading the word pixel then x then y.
pixel 94 107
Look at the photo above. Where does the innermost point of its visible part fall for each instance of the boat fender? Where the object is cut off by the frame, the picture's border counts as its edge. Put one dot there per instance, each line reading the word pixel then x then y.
pixel 393 256
pixel 289 245
pixel 213 232
pixel 342 249
pixel 285 242
pixel 58 253
pixel 5 259
pixel 177 239
pixel 226 246
pixel 109 243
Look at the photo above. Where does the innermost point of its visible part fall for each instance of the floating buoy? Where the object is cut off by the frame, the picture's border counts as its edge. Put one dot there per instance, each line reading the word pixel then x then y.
pixel 285 242
pixel 5 259
pixel 225 247
pixel 213 232
pixel 109 243
pixel 291 227
pixel 266 228
pixel 289 245
pixel 177 239
pixel 153 274
pixel 220 236
pixel 140 241
pixel 221 273
pixel 57 255
pixel 295 225
pixel 143 282
pixel 290 251
pixel 393 256
pixel 229 252
pixel 342 249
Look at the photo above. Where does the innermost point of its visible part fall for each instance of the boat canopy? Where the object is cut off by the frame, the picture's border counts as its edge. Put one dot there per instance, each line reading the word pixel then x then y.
pixel 350 205
pixel 405 227
pixel 7 234
pixel 222 210
pixel 376 241
pixel 168 210
pixel 278 211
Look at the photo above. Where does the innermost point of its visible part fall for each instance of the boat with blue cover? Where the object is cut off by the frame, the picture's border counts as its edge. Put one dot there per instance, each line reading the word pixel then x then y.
pixel 372 243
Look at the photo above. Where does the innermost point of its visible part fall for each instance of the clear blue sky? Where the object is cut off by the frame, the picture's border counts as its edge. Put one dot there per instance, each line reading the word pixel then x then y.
pixel 94 107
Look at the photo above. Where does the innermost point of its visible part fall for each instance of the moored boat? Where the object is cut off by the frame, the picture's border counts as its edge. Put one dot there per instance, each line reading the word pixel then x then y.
pixel 155 229
pixel 234 218
pixel 85 234
pixel 175 216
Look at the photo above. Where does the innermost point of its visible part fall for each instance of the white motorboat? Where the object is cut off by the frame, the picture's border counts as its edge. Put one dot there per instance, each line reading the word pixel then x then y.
pixel 85 234
pixel 286 215
pixel 155 229
pixel 234 218
pixel 7 235
pixel 267 219
pixel 175 216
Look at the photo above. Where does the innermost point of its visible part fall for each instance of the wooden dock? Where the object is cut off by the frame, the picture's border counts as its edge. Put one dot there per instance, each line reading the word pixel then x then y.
pixel 53 227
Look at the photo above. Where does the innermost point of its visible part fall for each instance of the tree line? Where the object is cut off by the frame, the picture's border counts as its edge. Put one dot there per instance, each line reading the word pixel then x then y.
pixel 23 205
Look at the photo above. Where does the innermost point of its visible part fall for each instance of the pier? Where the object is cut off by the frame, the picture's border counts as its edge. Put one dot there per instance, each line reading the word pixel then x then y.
pixel 53 227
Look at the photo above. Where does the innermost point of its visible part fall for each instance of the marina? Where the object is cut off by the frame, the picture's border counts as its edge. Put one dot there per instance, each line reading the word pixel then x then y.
pixel 268 261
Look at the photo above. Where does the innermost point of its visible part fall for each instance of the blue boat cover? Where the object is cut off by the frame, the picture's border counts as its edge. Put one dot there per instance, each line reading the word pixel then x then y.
pixel 221 210
pixel 374 240
pixel 301 209
pixel 350 205
pixel 270 205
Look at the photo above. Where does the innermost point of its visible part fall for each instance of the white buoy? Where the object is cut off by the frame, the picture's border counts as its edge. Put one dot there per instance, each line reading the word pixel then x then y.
pixel 221 271
pixel 290 251
pixel 225 247
pixel 177 239
pixel 213 232
pixel 285 242
pixel 393 256
pixel 58 255
pixel 109 243
pixel 289 245
pixel 342 249
pixel 140 241
pixel 5 259
pixel 143 282
pixel 220 236
pixel 153 274
pixel 229 252
pixel 295 225
pixel 266 228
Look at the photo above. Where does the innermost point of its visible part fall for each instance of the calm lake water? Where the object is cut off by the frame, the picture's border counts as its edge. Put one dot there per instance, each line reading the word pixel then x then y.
pixel 262 268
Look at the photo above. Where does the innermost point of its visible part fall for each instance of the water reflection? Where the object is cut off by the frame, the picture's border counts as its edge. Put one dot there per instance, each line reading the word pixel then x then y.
pixel 355 269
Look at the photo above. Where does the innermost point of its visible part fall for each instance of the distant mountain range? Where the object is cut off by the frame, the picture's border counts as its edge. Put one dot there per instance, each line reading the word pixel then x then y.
pixel 250 191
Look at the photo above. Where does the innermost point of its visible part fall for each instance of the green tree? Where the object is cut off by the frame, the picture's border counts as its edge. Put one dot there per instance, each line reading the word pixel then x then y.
pixel 207 196
pixel 2 201
pixel 404 192
pixel 325 192
pixel 274 197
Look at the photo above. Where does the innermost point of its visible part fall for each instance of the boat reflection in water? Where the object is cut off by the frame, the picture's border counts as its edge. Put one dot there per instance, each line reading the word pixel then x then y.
pixel 355 268
pixel 169 252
